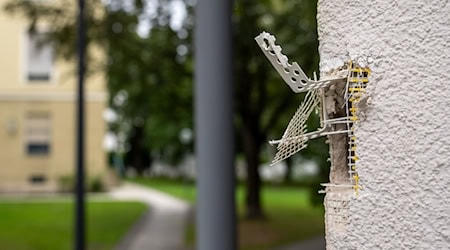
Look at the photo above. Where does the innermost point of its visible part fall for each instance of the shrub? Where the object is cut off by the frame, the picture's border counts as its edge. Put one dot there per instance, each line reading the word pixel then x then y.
pixel 66 184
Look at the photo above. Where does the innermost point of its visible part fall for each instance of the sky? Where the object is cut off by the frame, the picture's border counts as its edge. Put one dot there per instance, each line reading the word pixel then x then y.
pixel 178 9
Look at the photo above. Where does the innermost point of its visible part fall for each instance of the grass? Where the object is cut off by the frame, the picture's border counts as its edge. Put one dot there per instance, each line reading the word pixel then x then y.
pixel 49 225
pixel 290 217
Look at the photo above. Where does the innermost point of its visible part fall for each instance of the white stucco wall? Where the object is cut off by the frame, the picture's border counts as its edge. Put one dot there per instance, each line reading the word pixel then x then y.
pixel 404 141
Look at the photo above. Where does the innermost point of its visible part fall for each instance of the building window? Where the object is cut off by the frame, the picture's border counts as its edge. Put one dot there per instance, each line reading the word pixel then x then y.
pixel 39 57
pixel 38 134
pixel 37 179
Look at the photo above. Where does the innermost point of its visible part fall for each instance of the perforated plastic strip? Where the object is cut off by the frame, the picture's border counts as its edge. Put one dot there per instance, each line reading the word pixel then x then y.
pixel 292 74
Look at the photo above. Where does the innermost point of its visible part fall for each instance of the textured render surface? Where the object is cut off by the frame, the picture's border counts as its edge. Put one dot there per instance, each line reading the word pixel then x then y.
pixel 404 139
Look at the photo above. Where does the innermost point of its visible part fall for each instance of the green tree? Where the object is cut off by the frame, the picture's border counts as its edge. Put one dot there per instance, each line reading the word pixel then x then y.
pixel 156 78
pixel 263 102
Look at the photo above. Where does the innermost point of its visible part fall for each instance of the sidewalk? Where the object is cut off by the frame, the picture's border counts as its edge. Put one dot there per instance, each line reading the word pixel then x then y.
pixel 162 227
pixel 317 243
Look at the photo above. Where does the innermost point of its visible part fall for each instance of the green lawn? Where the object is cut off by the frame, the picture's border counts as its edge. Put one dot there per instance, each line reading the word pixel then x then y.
pixel 290 215
pixel 49 225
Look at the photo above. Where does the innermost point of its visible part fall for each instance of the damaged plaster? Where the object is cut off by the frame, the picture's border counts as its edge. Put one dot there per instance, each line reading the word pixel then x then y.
pixel 404 133
pixel 338 143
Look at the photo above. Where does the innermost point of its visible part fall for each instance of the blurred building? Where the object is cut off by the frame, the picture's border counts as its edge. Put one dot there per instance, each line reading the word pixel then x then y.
pixel 37 112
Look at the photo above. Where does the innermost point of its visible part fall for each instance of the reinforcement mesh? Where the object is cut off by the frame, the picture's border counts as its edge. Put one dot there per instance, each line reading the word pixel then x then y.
pixel 293 139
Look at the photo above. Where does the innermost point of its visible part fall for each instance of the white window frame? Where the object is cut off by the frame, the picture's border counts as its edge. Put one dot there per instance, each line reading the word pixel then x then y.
pixel 38 137
pixel 25 59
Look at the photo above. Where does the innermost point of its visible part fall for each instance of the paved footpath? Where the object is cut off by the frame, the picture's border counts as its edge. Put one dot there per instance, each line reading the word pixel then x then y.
pixel 317 243
pixel 162 227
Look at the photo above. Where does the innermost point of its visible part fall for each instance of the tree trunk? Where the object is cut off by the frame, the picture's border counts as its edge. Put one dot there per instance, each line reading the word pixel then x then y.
pixel 288 174
pixel 137 150
pixel 252 151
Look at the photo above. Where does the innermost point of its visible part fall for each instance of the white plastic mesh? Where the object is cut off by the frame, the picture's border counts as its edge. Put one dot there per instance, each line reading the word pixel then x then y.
pixel 293 139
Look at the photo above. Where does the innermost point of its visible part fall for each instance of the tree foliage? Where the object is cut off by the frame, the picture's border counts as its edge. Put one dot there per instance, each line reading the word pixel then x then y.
pixel 156 79
pixel 264 104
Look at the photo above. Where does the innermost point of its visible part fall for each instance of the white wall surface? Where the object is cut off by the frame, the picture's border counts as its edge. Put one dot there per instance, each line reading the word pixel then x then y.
pixel 404 141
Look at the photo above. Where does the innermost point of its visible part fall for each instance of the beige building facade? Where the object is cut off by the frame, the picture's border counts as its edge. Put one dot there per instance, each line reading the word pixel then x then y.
pixel 37 113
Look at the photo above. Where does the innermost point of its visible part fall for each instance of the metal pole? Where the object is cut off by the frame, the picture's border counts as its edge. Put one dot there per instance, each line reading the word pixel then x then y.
pixel 214 126
pixel 79 189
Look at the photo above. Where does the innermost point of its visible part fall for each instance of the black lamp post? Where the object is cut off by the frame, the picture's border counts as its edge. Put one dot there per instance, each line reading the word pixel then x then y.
pixel 79 188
